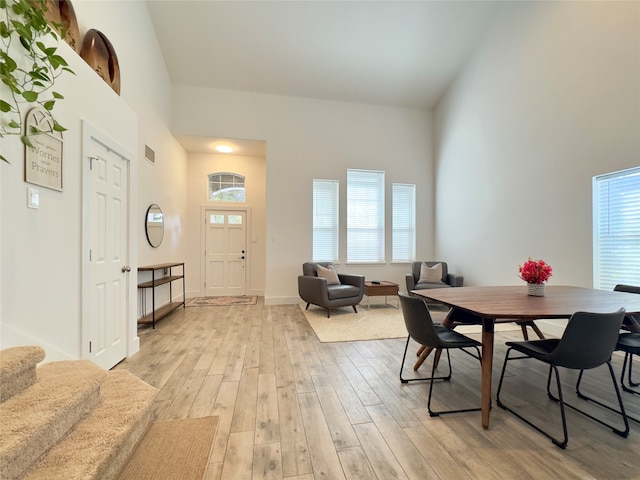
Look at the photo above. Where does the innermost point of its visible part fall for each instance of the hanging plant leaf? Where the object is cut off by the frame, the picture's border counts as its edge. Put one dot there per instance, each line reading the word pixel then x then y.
pixel 25 139
pixel 30 96
pixel 37 64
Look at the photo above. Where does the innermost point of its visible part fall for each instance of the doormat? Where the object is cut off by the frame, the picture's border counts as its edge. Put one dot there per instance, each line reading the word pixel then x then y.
pixel 171 450
pixel 221 301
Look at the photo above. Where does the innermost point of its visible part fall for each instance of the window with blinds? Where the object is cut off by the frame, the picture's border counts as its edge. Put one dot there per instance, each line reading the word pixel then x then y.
pixel 616 229
pixel 403 234
pixel 325 221
pixel 365 216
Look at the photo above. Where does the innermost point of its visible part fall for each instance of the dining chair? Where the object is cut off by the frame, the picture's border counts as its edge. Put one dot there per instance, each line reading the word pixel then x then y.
pixel 629 344
pixel 588 342
pixel 630 322
pixel 421 329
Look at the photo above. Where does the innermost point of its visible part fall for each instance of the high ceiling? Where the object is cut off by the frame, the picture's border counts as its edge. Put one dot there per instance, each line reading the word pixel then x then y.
pixel 394 53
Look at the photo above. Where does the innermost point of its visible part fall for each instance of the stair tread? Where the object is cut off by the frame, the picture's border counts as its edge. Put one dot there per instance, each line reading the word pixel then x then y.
pixel 35 419
pixel 100 444
pixel 18 369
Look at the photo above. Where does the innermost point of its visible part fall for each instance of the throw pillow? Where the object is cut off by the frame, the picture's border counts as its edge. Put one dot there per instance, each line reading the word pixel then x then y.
pixel 430 274
pixel 329 273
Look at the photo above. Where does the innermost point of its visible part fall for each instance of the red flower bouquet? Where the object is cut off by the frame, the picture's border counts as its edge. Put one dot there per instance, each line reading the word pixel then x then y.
pixel 535 271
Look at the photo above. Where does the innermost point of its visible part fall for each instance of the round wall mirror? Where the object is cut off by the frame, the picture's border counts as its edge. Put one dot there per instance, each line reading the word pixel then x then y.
pixel 154 225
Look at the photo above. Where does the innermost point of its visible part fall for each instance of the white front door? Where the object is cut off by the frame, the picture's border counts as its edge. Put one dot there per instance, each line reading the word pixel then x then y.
pixel 106 213
pixel 225 252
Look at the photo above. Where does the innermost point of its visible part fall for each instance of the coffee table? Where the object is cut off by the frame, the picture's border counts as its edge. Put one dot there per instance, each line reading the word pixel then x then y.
pixel 381 289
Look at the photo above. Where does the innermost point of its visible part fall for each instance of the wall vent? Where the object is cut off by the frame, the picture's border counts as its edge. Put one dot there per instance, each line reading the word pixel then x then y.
pixel 149 154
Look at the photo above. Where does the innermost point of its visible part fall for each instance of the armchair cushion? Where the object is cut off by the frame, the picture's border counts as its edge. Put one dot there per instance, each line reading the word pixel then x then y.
pixel 415 282
pixel 430 274
pixel 329 273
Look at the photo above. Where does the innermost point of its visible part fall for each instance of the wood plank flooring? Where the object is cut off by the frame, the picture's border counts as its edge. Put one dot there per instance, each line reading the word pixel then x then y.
pixel 294 408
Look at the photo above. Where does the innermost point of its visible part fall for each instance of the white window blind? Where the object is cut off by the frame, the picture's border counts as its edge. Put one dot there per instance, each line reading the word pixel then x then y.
pixel 365 216
pixel 403 235
pixel 325 221
pixel 616 229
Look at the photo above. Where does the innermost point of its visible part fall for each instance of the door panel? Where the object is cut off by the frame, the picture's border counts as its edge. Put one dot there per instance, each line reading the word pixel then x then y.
pixel 225 252
pixel 108 179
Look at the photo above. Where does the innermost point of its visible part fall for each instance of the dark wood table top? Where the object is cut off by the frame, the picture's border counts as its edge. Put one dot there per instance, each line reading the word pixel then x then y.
pixel 513 302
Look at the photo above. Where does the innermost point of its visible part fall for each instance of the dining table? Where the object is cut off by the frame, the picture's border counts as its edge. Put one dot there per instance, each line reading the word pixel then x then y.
pixel 509 303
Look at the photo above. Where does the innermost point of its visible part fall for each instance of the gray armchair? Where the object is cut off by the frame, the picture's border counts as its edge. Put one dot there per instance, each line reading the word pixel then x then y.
pixel 315 290
pixel 447 279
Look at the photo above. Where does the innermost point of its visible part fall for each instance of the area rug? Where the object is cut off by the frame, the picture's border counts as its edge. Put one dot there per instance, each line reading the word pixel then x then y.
pixel 171 450
pixel 379 322
pixel 221 301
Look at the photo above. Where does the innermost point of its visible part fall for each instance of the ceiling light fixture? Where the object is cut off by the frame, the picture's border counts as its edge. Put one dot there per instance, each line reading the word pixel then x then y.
pixel 224 149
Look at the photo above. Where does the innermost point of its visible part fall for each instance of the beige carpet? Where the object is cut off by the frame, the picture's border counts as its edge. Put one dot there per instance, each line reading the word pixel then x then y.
pixel 176 449
pixel 379 322
pixel 221 301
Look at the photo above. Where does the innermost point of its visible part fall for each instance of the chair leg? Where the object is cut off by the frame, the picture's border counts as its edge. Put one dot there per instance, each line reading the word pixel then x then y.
pixel 328 313
pixel 623 433
pixel 560 443
pixel 307 307
pixel 355 309
pixel 433 413
pixel 628 358
pixel 622 411
pixel 407 380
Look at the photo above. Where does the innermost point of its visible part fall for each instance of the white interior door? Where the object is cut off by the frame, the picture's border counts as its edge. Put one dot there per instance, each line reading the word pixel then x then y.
pixel 106 212
pixel 225 252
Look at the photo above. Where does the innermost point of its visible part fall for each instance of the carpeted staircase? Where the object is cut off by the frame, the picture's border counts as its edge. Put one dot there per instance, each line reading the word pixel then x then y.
pixel 67 420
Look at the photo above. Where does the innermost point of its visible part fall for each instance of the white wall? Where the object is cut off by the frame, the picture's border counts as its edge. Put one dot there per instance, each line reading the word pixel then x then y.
pixel 40 258
pixel 309 139
pixel 254 171
pixel 549 100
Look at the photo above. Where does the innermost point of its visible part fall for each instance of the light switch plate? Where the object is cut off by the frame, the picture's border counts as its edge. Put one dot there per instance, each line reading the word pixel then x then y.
pixel 33 198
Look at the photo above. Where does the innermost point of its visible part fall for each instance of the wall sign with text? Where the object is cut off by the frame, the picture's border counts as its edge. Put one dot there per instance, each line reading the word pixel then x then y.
pixel 43 161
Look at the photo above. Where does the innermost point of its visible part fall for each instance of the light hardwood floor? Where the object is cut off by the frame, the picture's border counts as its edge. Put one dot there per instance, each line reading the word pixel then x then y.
pixel 291 407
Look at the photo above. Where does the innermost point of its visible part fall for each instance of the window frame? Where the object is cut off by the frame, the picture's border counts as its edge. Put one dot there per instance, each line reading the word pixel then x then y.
pixel 235 186
pixel 325 234
pixel 365 216
pixel 616 228
pixel 403 222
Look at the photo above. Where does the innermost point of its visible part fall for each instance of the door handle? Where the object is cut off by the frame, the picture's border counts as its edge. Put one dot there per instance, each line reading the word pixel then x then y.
pixel 126 269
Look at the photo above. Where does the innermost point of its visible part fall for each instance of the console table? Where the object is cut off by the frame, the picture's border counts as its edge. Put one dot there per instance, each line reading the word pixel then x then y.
pixel 166 276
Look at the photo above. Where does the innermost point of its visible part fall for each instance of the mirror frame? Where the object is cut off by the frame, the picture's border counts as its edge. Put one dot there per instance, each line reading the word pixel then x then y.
pixel 152 235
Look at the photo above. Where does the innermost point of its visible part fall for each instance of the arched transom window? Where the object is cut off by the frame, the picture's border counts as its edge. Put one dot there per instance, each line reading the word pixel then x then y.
pixel 226 187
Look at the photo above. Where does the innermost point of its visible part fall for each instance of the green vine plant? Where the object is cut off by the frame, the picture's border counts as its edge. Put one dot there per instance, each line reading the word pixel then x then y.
pixel 29 65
